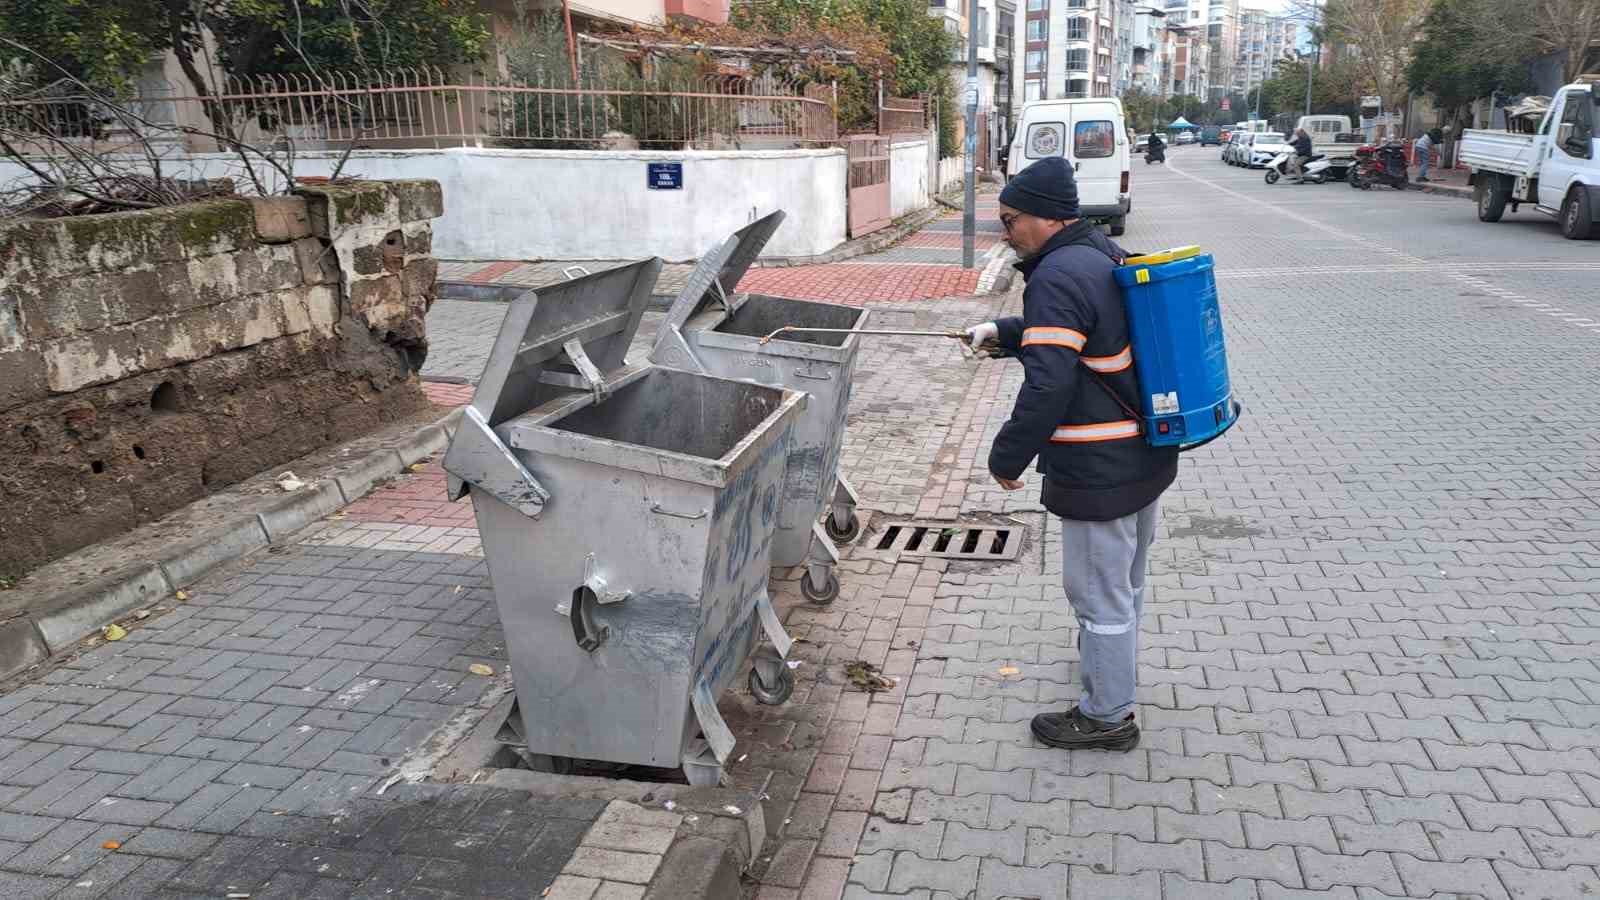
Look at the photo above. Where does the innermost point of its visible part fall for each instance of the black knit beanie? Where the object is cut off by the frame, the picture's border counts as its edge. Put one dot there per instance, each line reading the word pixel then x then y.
pixel 1046 189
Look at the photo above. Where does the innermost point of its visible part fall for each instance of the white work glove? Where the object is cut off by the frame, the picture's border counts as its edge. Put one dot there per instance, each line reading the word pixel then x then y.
pixel 979 335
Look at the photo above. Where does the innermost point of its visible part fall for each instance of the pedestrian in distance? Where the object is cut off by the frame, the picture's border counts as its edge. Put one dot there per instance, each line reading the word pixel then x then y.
pixel 1074 416
pixel 1424 148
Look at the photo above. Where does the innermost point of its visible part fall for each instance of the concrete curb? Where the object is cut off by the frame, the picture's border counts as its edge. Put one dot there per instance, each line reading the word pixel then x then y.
pixel 64 619
pixel 1448 190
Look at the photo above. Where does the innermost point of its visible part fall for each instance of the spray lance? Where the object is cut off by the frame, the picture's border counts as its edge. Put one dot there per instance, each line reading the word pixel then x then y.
pixel 960 337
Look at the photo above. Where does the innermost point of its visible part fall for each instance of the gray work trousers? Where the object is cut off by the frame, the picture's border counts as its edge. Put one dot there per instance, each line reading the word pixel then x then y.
pixel 1103 571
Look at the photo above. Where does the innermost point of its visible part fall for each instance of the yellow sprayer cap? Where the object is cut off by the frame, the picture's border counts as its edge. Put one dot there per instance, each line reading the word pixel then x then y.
pixel 1164 256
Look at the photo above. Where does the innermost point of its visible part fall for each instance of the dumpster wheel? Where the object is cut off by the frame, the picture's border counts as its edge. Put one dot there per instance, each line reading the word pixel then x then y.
pixel 776 695
pixel 846 534
pixel 824 595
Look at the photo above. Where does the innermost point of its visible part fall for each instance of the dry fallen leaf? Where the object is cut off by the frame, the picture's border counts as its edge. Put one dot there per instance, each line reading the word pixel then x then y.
pixel 111 845
pixel 142 614
pixel 414 467
pixel 480 669
pixel 113 632
pixel 183 596
pixel 1009 670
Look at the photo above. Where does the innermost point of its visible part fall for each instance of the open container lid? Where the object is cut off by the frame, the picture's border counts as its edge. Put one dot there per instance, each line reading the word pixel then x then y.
pixel 553 341
pixel 531 363
pixel 712 283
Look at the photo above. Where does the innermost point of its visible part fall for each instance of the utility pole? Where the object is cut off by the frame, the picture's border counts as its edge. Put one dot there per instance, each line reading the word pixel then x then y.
pixel 969 209
pixel 1316 58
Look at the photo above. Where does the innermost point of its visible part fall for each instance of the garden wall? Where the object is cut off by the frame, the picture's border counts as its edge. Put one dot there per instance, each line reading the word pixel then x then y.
pixel 149 358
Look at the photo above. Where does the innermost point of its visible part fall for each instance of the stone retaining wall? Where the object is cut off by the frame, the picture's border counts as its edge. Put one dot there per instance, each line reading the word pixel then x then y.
pixel 149 358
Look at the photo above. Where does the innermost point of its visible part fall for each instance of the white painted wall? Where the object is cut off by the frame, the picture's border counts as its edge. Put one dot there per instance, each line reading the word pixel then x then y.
pixel 569 204
pixel 952 173
pixel 908 177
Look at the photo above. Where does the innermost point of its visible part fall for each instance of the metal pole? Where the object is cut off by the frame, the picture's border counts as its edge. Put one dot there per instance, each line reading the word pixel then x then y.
pixel 969 210
pixel 1316 60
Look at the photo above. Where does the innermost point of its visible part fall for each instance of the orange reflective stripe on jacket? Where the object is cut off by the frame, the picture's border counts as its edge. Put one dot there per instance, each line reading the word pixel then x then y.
pixel 1053 337
pixel 1106 431
pixel 1105 365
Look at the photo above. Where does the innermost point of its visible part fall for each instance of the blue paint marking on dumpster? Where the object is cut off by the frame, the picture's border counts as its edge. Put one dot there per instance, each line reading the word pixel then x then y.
pixel 664 176
pixel 1175 329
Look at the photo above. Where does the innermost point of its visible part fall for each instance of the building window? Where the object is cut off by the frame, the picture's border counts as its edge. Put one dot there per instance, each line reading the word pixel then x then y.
pixel 1077 4
pixel 1077 29
pixel 1035 61
pixel 1037 29
pixel 1078 60
pixel 1036 5
pixel 1031 90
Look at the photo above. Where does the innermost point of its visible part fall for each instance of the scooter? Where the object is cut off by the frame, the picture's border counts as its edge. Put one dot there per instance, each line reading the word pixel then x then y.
pixel 1314 170
pixel 1155 154
pixel 1380 165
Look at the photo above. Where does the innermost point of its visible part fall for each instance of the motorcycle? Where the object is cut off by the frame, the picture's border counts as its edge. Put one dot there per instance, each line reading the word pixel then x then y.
pixel 1314 170
pixel 1380 165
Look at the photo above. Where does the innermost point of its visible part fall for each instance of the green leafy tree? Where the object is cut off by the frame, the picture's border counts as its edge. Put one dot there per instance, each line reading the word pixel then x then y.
pixel 107 42
pixel 1284 94
pixel 103 43
pixel 260 37
pixel 1458 60
pixel 893 40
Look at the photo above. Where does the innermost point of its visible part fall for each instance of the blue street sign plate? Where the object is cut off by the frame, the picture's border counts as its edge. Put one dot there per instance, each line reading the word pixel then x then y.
pixel 665 176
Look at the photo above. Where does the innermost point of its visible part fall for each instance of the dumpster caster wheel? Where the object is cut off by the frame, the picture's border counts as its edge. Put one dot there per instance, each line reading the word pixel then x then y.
pixel 776 695
pixel 845 535
pixel 821 596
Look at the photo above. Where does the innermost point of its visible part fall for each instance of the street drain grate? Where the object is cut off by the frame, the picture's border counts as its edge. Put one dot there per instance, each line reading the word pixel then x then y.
pixel 952 540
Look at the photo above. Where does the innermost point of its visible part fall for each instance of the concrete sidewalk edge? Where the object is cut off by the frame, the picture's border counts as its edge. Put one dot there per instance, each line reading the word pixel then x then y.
pixel 67 617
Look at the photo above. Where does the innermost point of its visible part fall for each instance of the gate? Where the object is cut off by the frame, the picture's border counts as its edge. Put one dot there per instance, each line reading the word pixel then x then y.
pixel 868 192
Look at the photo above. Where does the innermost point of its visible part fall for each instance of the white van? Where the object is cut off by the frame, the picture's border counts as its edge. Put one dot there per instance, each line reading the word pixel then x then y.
pixel 1092 134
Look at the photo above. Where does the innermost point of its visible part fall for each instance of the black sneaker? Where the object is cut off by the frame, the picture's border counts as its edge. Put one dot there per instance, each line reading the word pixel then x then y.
pixel 1072 730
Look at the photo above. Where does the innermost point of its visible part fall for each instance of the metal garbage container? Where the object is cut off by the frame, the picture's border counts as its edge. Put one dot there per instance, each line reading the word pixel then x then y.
pixel 712 330
pixel 627 514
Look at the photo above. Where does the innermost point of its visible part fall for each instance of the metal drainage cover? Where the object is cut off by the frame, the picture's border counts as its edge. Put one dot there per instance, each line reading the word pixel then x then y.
pixel 952 540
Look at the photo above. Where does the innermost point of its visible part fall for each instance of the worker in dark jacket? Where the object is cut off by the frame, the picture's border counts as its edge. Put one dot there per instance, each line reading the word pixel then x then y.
pixel 1075 415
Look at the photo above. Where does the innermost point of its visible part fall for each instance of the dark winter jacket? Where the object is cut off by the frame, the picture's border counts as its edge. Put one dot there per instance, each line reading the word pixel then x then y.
pixel 1073 333
pixel 1302 145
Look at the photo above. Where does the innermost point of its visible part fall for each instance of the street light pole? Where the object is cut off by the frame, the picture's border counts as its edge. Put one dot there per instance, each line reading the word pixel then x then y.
pixel 969 211
pixel 1315 61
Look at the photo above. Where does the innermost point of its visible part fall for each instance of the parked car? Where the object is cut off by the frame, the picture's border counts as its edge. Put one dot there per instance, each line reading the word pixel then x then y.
pixel 1265 147
pixel 1241 148
pixel 1184 137
pixel 1232 146
pixel 1211 136
pixel 1090 133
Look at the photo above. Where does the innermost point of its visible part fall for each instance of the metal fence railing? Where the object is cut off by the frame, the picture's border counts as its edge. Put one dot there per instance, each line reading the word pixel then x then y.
pixel 414 108
pixel 903 115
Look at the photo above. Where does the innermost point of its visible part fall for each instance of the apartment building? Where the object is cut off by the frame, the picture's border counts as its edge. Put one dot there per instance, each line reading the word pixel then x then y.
pixel 1264 40
pixel 1218 23
pixel 1152 53
pixel 1190 60
pixel 1069 48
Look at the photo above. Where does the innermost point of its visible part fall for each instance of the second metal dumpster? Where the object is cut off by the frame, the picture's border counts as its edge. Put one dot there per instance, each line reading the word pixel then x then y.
pixel 712 330
pixel 627 514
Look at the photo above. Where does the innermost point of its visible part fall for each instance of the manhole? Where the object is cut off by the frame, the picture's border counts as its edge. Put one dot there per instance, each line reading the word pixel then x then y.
pixel 952 540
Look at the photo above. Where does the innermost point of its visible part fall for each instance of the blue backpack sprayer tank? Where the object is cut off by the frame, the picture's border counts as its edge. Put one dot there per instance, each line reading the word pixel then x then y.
pixel 1175 328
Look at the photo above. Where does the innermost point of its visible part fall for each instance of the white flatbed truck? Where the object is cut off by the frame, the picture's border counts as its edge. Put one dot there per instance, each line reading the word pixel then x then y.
pixel 1556 169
